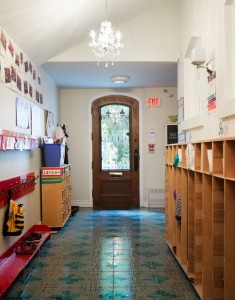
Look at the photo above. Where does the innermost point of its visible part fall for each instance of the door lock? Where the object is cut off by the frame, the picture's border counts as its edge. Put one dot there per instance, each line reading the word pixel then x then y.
pixel 136 160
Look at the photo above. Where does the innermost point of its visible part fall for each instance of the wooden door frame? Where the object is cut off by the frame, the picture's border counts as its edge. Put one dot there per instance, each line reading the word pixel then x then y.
pixel 141 180
pixel 122 193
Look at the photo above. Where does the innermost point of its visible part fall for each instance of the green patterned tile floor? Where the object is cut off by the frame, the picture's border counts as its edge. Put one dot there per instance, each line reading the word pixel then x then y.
pixel 110 255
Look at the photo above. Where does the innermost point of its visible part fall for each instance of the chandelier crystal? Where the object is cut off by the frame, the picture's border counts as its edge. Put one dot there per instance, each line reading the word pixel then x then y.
pixel 107 44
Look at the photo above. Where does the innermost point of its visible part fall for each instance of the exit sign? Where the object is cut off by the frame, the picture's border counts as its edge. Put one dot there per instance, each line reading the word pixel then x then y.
pixel 152 102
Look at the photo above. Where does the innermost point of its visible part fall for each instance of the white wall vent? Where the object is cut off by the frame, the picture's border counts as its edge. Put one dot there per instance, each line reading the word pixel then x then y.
pixel 156 197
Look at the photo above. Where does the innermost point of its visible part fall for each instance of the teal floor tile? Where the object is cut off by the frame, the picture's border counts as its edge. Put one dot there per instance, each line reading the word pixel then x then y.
pixel 107 255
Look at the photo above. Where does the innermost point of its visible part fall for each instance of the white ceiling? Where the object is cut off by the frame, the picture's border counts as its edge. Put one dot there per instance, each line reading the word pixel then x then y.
pixel 89 75
pixel 44 29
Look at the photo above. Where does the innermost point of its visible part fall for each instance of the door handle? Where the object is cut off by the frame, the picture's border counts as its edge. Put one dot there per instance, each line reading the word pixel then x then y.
pixel 136 160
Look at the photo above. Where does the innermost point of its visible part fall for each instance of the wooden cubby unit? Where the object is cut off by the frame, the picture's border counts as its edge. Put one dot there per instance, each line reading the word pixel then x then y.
pixel 178 225
pixel 190 233
pixel 184 226
pixel 207 259
pixel 206 162
pixel 198 231
pixel 229 242
pixel 218 237
pixel 183 164
pixel 197 149
pixel 174 152
pixel 167 233
pixel 229 161
pixel 203 243
pixel 179 151
pixel 218 158
pixel 169 156
pixel 56 195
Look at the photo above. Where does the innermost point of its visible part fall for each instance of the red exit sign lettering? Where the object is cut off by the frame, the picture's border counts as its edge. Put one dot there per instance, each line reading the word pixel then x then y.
pixel 153 102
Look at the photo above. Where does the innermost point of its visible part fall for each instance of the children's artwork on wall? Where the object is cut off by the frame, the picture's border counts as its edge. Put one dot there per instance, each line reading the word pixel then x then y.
pixel 13 74
pixel 11 49
pixel 17 59
pixel 1 69
pixel 37 96
pixel 7 74
pixel 34 75
pixel 30 68
pixel 37 125
pixel 181 137
pixel 26 67
pixel 181 110
pixel 211 98
pixel 21 58
pixel 19 83
pixel 17 71
pixel 223 129
pixel 3 44
pixel 22 113
pixel 34 93
pixel 41 98
pixel 31 91
pixel 49 125
pixel 26 87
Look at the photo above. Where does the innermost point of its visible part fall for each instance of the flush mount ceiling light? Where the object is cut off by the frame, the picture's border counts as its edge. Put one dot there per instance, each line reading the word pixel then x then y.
pixel 106 44
pixel 120 79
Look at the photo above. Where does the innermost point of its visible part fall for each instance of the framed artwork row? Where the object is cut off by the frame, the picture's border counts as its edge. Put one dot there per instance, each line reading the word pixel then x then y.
pixel 18 72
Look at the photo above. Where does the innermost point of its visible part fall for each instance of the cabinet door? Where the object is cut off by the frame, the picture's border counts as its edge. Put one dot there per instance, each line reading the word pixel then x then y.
pixel 52 207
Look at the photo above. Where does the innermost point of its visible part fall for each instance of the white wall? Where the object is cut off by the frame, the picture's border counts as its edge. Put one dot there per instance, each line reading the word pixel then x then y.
pixel 14 163
pixel 76 114
pixel 209 24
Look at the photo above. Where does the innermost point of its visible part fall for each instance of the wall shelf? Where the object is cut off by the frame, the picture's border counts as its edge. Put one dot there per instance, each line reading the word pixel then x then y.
pixel 227 109
pixel 194 122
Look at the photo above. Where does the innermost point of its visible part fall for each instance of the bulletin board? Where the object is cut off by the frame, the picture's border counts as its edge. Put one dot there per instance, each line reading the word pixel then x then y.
pixel 171 134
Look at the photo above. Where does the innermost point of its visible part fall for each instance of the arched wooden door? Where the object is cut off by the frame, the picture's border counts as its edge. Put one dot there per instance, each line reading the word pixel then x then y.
pixel 115 158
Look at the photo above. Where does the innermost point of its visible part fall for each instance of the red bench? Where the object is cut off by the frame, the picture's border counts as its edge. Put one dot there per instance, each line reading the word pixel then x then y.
pixel 11 264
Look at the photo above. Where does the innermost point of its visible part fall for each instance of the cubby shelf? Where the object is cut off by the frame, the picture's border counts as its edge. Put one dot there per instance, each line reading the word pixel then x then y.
pixel 203 243
pixel 56 195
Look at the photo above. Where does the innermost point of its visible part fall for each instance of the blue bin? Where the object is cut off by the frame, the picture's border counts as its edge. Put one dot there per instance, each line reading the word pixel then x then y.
pixel 53 155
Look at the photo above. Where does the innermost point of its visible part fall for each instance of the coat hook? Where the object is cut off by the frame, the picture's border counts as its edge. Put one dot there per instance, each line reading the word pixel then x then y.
pixel 16 187
pixel 3 193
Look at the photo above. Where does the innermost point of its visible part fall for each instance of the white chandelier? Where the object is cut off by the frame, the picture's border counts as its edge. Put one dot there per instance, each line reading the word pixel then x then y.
pixel 107 44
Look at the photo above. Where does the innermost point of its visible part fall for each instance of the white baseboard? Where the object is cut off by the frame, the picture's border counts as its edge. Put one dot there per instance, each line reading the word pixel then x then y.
pixel 157 206
pixel 81 203
pixel 87 203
